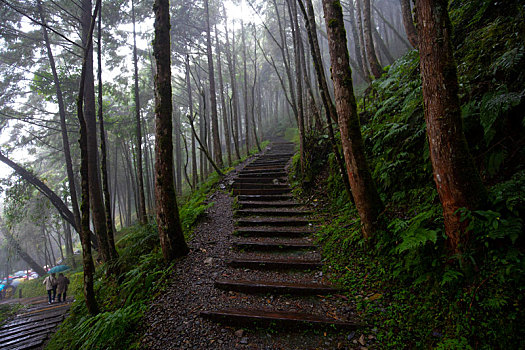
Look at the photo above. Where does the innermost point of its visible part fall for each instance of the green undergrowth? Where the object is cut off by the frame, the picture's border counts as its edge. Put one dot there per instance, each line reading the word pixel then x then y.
pixel 8 310
pixel 404 281
pixel 124 300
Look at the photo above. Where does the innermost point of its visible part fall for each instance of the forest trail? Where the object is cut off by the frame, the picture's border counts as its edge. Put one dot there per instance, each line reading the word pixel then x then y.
pixel 33 325
pixel 254 269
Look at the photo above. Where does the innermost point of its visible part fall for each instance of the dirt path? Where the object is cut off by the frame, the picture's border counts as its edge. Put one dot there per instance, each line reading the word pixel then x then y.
pixel 175 319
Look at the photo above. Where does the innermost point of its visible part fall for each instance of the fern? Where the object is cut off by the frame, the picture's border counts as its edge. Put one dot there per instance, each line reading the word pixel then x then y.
pixel 493 105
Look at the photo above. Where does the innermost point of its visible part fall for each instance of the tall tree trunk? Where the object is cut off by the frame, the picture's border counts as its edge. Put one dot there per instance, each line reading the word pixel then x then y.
pixel 375 67
pixel 245 91
pixel 217 151
pixel 63 125
pixel 143 218
pixel 457 180
pixel 190 104
pixel 48 237
pixel 186 163
pixel 392 27
pixel 362 56
pixel 87 259
pixel 226 126
pixel 383 46
pixel 283 46
pixel 366 197
pixel 148 173
pixel 234 100
pixel 70 256
pixel 331 113
pixel 252 112
pixel 202 132
pixel 171 236
pixel 204 149
pixel 408 22
pixel 95 189
pixel 292 9
pixel 178 152
pixel 113 255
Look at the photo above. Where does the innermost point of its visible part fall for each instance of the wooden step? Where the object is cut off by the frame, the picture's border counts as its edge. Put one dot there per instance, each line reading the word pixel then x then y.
pixel 261 168
pixel 247 171
pixel 237 192
pixel 34 342
pixel 272 232
pixel 268 204
pixel 269 162
pixel 14 338
pixel 278 180
pixel 265 197
pixel 282 318
pixel 273 287
pixel 272 174
pixel 273 221
pixel 262 186
pixel 290 263
pixel 275 245
pixel 272 212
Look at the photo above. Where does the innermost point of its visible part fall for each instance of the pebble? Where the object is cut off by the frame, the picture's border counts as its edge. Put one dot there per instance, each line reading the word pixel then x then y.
pixel 176 310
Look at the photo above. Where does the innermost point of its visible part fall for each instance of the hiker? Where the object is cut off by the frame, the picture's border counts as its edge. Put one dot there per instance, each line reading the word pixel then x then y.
pixel 51 287
pixel 62 283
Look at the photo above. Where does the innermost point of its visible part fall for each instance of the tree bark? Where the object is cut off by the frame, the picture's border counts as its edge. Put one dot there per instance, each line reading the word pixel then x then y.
pixel 142 216
pixel 178 152
pixel 96 200
pixel 392 27
pixel 217 151
pixel 252 111
pixel 190 104
pixel 331 113
pixel 171 235
pixel 383 46
pixel 375 67
pixel 362 56
pixel 408 22
pixel 87 259
pixel 226 125
pixel 367 200
pixel 245 92
pixel 204 149
pixel 457 180
pixel 298 80
pixel 113 255
pixel 234 100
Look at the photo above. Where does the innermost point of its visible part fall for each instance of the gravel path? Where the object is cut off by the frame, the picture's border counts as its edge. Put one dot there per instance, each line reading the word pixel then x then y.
pixel 173 321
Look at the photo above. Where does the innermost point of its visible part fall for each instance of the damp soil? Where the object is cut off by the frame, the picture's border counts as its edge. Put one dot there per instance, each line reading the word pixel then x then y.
pixel 173 320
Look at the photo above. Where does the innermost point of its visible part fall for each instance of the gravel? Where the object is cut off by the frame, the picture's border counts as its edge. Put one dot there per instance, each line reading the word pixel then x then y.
pixel 173 321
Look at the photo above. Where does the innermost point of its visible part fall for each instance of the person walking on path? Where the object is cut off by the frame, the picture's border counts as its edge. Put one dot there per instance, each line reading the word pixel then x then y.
pixel 62 283
pixel 51 286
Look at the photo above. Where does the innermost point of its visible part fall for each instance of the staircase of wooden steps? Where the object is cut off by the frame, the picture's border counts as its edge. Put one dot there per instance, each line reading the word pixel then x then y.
pixel 274 233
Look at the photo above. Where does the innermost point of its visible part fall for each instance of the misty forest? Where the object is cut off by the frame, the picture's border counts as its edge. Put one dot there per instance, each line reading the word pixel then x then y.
pixel 247 174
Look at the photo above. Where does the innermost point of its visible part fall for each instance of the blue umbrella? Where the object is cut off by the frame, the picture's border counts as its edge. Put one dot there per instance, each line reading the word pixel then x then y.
pixel 58 268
